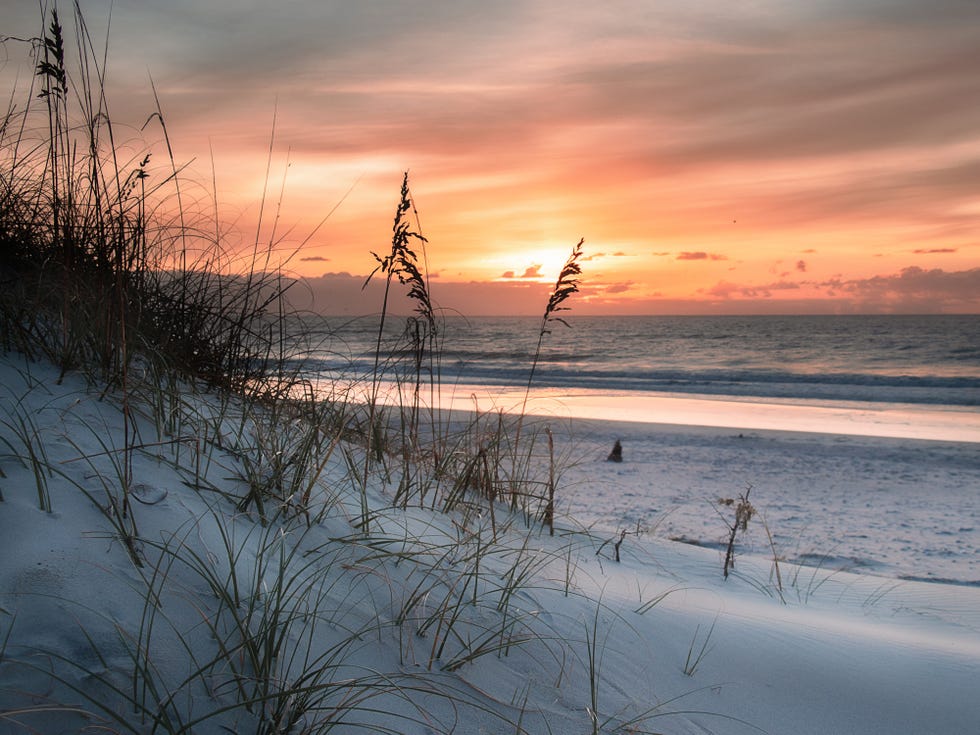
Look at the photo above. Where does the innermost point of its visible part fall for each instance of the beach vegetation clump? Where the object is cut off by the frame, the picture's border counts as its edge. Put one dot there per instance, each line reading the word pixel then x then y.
pixel 100 264
pixel 24 441
pixel 697 651
pixel 742 513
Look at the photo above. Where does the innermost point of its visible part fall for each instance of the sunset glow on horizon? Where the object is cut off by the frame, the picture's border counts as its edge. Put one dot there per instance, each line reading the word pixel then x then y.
pixel 716 158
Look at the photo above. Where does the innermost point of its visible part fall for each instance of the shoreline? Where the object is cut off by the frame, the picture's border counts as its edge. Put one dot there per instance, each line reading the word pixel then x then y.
pixel 808 416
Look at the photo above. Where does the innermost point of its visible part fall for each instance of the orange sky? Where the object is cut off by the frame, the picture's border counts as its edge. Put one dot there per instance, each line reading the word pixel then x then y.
pixel 716 157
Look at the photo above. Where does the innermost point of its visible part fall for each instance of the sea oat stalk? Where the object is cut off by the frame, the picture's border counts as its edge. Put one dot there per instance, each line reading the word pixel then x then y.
pixel 566 285
pixel 400 263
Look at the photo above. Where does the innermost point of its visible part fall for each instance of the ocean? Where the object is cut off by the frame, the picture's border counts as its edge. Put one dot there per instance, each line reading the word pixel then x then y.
pixel 932 359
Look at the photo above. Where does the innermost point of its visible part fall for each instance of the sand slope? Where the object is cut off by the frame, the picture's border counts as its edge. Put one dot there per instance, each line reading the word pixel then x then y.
pixel 832 652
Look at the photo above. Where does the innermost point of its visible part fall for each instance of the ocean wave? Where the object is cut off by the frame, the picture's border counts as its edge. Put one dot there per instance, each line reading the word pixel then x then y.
pixel 934 390
pixel 747 383
pixel 919 360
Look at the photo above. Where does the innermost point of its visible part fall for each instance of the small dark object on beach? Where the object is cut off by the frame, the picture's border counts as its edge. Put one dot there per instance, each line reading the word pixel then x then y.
pixel 616 455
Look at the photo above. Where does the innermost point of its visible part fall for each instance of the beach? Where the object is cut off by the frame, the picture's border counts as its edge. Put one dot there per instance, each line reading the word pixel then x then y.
pixel 868 490
pixel 713 470
pixel 845 637
pixel 880 488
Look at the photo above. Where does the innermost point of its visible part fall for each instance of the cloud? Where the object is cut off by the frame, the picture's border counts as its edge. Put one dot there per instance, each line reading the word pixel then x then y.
pixel 723 290
pixel 915 289
pixel 757 83
pixel 314 259
pixel 617 254
pixel 925 251
pixel 616 288
pixel 726 290
pixel 771 86
pixel 911 290
pixel 937 195
pixel 700 255
pixel 532 271
pixel 801 266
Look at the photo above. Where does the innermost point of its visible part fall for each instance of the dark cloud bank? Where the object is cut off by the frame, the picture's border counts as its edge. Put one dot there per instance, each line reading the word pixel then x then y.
pixel 912 290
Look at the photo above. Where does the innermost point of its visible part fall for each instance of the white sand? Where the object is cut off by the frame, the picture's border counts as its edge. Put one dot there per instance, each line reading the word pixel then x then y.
pixel 839 653
pixel 887 489
pixel 903 508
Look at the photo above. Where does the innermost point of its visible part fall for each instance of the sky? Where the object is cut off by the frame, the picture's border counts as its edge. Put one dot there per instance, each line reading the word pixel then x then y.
pixel 716 157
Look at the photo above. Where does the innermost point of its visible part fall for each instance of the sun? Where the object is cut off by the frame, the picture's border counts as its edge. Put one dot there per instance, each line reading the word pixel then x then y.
pixel 538 265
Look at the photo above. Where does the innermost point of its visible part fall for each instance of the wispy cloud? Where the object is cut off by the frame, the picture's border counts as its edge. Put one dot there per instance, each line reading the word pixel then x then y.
pixel 600 256
pixel 700 255
pixel 612 289
pixel 532 271
pixel 727 290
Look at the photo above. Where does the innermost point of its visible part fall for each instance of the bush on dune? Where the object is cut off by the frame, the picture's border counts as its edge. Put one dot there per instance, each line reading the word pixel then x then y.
pixel 96 264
